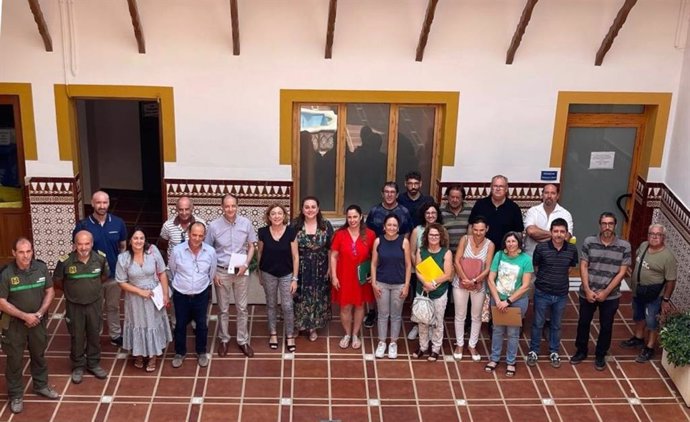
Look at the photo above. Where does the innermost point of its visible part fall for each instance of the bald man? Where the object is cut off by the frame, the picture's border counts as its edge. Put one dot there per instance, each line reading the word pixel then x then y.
pixel 110 238
pixel 80 274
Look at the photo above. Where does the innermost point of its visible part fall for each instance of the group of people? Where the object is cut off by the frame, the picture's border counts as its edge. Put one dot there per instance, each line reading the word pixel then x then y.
pixel 485 267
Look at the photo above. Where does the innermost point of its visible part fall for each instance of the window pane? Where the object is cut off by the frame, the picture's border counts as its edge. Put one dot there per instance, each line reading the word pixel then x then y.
pixel 10 183
pixel 366 155
pixel 415 144
pixel 318 138
pixel 607 108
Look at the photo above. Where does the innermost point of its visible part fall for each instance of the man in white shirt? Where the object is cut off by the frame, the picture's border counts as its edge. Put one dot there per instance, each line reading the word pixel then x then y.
pixel 538 219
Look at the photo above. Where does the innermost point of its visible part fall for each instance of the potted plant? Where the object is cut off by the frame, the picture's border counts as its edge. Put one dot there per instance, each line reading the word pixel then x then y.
pixel 674 338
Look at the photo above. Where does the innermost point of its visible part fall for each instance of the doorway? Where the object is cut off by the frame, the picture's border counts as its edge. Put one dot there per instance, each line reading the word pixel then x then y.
pixel 601 157
pixel 120 153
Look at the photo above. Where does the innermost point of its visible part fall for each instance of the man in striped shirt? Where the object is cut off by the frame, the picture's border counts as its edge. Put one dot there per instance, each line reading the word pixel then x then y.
pixel 552 261
pixel 605 260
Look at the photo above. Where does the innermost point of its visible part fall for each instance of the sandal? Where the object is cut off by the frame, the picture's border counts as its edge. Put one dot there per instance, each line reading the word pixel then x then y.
pixel 139 362
pixel 273 341
pixel 475 355
pixel 290 347
pixel 433 357
pixel 313 335
pixel 151 364
pixel 491 366
pixel 419 353
pixel 510 371
pixel 345 341
pixel 356 344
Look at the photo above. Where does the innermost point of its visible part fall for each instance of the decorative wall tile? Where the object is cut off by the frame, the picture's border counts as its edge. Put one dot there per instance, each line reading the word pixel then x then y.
pixel 680 247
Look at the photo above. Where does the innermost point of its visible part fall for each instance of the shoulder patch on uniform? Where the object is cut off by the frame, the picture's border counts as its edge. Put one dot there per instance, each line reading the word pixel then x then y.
pixel 63 258
pixel 101 253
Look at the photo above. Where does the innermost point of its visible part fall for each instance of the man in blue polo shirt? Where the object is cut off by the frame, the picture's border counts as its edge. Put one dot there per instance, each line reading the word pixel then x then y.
pixel 109 237
pixel 552 261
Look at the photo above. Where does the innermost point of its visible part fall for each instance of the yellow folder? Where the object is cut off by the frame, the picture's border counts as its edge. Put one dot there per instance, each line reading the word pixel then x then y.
pixel 429 269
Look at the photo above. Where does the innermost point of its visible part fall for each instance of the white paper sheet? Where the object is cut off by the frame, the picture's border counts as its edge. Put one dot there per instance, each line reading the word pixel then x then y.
pixel 158 296
pixel 602 160
pixel 237 260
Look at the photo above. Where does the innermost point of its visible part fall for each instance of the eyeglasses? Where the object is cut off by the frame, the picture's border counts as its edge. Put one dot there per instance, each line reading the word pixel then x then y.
pixel 499 187
pixel 608 224
pixel 650 234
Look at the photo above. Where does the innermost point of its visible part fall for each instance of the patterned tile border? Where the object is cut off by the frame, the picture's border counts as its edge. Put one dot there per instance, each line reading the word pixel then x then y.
pixel 525 195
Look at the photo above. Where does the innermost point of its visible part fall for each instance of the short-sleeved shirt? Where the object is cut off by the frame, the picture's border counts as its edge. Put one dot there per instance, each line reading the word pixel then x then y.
pixel 604 262
pixel 509 271
pixel 276 255
pixel 502 219
pixel 25 289
pixel 228 238
pixel 456 225
pixel 82 282
pixel 553 267
pixel 106 237
pixel 377 215
pixel 413 206
pixel 536 216
pixel 656 267
pixel 173 232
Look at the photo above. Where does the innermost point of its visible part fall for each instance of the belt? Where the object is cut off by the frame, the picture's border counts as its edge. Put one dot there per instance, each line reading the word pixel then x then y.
pixel 223 267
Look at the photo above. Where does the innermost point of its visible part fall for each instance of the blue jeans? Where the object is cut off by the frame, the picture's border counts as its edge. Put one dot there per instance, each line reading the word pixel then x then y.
pixel 188 308
pixel 556 304
pixel 513 334
pixel 647 311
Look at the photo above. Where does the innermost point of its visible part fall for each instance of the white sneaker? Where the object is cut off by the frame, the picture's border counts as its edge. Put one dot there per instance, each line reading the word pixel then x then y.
pixel 412 335
pixel 393 351
pixel 380 350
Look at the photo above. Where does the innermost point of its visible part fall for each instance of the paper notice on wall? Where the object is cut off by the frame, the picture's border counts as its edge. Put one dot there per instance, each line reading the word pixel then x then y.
pixel 602 160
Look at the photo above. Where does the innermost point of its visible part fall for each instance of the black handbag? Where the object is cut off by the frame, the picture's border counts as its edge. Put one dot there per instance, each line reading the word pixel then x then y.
pixel 646 292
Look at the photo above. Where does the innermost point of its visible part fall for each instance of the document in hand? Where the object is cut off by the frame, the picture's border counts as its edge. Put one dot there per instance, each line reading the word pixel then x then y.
pixel 237 260
pixel 429 269
pixel 158 296
pixel 364 271
pixel 511 318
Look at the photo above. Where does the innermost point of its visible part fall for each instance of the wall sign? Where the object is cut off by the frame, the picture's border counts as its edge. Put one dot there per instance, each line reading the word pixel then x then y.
pixel 549 175
pixel 602 160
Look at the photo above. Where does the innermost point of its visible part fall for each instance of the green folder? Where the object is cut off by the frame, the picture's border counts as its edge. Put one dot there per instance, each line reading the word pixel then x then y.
pixel 364 271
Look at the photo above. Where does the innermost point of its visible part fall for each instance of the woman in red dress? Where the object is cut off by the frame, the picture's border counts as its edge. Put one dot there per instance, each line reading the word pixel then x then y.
pixel 351 246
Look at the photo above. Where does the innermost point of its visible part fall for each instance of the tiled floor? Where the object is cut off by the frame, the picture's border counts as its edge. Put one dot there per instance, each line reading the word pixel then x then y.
pixel 321 382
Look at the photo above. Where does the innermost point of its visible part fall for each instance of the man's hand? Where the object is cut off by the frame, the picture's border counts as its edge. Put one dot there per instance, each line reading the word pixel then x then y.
pixel 590 296
pixel 31 320
pixel 217 281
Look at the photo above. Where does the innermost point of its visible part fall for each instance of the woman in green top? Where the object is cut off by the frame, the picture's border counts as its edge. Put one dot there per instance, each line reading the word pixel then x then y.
pixel 434 245
pixel 509 281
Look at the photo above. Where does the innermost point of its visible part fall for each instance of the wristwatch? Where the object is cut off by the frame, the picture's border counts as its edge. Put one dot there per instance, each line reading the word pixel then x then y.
pixel 510 302
pixel 295 278
pixel 666 299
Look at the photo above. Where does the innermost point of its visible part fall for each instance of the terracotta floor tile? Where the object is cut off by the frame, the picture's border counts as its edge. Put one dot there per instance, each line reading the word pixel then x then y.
pixel 262 387
pixel 488 413
pixel 518 389
pixel 310 413
pixel 136 386
pixel 565 389
pixel 667 412
pixel 586 370
pixel 71 412
pixel 348 389
pixel 639 370
pixel 651 388
pixel 439 413
pixel 168 412
pixel 224 387
pixel 175 387
pixel 577 413
pixel 428 390
pixel 347 369
pixel 351 413
pixel 259 413
pixel 219 413
pixel 227 367
pixel 397 389
pixel 481 389
pixel 310 368
pixel 604 389
pixel 310 388
pixel 400 413
pixel 546 371
pixel 393 369
pixel 429 370
pixel 264 367
pixel 527 413
pixel 472 370
pixel 127 412
pixel 622 412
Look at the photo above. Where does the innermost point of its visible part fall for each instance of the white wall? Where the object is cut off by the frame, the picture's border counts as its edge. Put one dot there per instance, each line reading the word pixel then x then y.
pixel 226 106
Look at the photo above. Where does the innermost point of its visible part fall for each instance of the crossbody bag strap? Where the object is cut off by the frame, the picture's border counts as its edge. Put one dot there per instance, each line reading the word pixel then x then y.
pixel 639 265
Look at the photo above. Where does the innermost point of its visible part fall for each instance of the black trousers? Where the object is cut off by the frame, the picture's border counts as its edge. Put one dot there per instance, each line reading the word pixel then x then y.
pixel 607 312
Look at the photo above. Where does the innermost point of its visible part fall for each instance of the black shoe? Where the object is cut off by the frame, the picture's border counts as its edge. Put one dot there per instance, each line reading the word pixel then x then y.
pixel 370 319
pixel 117 342
pixel 646 354
pixel 632 343
pixel 578 357
pixel 600 363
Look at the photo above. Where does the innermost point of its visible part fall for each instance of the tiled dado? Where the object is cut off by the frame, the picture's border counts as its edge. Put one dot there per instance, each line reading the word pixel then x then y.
pixel 53 216
pixel 253 196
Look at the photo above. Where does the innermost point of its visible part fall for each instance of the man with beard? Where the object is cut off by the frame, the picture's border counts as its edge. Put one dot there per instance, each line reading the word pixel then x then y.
pixel 538 219
pixel 26 292
pixel 502 214
pixel 604 262
pixel 412 198
pixel 109 237
pixel 80 275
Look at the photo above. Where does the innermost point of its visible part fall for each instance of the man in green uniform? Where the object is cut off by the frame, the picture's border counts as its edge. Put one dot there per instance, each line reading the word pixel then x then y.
pixel 26 292
pixel 80 275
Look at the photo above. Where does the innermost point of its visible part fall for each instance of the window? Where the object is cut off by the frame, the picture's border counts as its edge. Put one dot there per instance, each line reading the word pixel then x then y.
pixel 347 151
pixel 11 177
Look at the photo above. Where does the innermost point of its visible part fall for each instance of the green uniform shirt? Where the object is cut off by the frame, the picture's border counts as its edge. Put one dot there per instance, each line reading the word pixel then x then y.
pixel 82 283
pixel 25 288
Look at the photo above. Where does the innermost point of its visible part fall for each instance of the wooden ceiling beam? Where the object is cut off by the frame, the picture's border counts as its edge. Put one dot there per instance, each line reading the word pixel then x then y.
pixel 41 23
pixel 136 23
pixel 520 30
pixel 613 31
pixel 424 35
pixel 330 31
pixel 235 22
